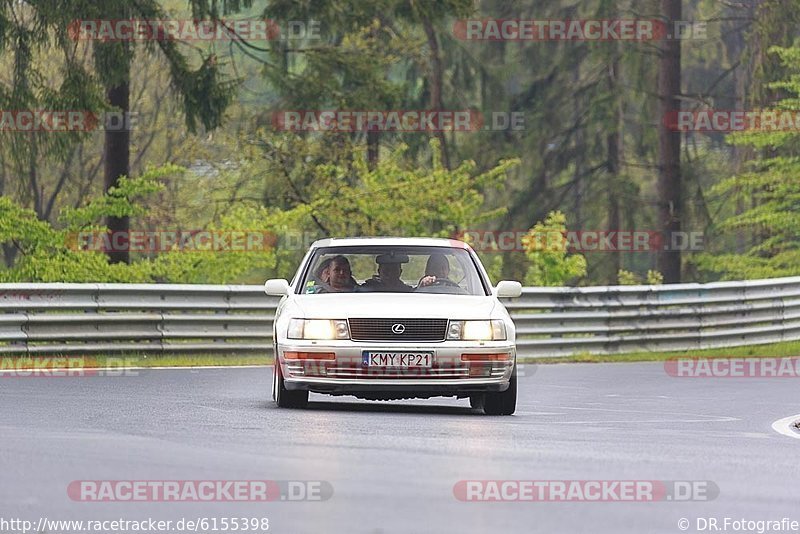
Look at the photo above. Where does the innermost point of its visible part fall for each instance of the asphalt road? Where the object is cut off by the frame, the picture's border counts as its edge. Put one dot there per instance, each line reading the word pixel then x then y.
pixel 393 466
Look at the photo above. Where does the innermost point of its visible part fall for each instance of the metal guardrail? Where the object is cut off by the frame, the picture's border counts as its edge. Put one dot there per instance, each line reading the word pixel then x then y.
pixel 50 319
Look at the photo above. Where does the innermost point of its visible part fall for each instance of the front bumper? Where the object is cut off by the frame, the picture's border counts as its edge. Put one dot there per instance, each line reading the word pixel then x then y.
pixel 447 376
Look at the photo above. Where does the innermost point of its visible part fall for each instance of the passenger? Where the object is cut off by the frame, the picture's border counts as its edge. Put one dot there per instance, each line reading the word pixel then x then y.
pixel 436 270
pixel 340 276
pixel 388 278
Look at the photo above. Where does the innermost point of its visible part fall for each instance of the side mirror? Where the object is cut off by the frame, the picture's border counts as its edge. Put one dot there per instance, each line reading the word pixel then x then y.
pixel 276 287
pixel 508 289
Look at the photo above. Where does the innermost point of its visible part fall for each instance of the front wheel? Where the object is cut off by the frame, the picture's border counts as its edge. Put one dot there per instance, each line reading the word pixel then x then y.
pixel 282 396
pixel 503 402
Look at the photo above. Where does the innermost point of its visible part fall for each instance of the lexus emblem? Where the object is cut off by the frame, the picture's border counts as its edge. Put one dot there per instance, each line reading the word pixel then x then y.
pixel 398 328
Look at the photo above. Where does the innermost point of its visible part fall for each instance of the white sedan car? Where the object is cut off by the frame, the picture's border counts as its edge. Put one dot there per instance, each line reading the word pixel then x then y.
pixel 394 318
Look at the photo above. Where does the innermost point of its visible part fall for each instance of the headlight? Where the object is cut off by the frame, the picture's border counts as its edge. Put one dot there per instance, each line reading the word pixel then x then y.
pixel 494 330
pixel 318 329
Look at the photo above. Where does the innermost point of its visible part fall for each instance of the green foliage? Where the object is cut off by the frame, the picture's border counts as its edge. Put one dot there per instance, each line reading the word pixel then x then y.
pixel 44 253
pixel 628 278
pixel 550 262
pixel 579 101
pixel 396 199
pixel 392 199
pixel 770 194
pixel 219 266
pixel 654 278
pixel 120 201
pixel 47 254
pixel 493 263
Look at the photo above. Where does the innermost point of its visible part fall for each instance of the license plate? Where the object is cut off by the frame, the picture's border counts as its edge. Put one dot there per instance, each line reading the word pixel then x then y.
pixel 396 359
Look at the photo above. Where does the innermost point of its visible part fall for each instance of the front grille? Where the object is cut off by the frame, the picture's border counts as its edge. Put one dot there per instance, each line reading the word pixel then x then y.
pixel 381 329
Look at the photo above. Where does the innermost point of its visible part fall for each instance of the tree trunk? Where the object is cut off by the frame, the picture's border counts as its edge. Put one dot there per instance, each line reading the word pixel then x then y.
pixel 373 148
pixel 436 85
pixel 9 251
pixel 580 148
pixel 33 178
pixel 116 155
pixel 613 166
pixel 670 209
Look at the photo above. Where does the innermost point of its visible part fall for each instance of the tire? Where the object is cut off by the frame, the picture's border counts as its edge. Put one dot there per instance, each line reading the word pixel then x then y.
pixel 282 396
pixel 476 401
pixel 503 402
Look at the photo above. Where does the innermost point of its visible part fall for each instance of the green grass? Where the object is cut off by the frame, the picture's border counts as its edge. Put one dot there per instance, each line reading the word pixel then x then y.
pixel 199 360
pixel 775 350
pixel 91 361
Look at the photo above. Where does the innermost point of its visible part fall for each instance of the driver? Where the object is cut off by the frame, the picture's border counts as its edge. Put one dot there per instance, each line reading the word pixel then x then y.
pixel 436 270
pixel 388 277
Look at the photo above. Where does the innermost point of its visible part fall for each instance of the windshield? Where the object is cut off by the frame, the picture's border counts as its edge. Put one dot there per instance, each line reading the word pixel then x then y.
pixel 392 269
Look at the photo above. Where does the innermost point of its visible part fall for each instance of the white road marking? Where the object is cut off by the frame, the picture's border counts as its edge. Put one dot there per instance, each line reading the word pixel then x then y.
pixel 786 426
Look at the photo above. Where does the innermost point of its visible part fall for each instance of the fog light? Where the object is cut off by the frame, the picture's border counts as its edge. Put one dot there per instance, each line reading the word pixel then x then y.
pixel 496 357
pixel 316 368
pixel 480 370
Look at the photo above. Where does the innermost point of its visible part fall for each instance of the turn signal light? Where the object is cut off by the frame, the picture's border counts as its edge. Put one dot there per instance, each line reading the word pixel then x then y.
pixel 309 355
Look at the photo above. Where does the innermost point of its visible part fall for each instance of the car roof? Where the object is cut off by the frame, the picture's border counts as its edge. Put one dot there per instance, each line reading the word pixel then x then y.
pixel 389 241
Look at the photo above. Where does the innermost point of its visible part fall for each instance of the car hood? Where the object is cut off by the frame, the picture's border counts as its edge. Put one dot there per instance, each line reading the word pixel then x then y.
pixel 400 305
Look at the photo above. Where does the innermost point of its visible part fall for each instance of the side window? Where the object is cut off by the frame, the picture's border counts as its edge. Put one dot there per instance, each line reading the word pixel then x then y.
pixel 314 278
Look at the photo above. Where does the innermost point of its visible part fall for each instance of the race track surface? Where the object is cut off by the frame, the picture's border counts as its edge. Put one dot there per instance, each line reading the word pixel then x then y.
pixel 393 466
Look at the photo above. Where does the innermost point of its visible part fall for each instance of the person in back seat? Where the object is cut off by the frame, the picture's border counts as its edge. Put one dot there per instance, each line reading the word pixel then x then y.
pixel 390 267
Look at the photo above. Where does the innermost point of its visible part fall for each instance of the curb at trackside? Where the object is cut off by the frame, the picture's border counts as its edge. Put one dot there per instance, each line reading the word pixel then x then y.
pixel 788 426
